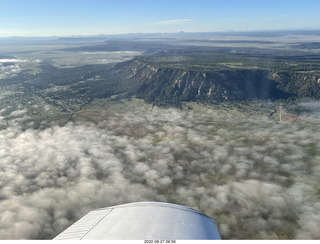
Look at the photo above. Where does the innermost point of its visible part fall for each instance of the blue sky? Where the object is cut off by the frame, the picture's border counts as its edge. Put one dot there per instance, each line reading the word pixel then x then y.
pixel 90 17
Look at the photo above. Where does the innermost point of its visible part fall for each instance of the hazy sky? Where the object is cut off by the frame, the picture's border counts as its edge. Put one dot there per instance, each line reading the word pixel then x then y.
pixel 73 17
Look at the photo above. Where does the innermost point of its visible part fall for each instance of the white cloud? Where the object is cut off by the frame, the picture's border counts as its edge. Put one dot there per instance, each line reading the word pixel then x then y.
pixel 12 60
pixel 241 175
pixel 172 22
pixel 9 70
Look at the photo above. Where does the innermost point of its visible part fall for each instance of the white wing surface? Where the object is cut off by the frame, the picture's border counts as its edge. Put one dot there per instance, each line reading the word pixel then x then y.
pixel 143 221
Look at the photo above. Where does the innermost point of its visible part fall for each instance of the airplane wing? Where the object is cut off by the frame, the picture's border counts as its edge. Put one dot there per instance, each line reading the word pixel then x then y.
pixel 143 221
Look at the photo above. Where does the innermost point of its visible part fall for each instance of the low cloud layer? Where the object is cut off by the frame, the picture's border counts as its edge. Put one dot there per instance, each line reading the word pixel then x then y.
pixel 12 60
pixel 9 70
pixel 256 178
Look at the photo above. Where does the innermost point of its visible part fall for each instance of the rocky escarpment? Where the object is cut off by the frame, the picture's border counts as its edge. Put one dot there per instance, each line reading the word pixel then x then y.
pixel 167 85
pixel 301 84
pixel 171 83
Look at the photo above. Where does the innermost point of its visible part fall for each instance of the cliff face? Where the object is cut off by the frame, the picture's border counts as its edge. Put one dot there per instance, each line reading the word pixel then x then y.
pixel 161 84
pixel 301 84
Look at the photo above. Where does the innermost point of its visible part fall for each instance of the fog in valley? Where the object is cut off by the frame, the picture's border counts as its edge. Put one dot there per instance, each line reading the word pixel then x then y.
pixel 258 178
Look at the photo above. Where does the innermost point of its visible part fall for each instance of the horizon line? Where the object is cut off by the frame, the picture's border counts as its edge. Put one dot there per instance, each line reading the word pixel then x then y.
pixel 160 33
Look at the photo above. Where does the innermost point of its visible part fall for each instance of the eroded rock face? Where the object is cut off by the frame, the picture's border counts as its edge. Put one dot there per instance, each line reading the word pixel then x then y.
pixel 158 84
pixel 169 81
